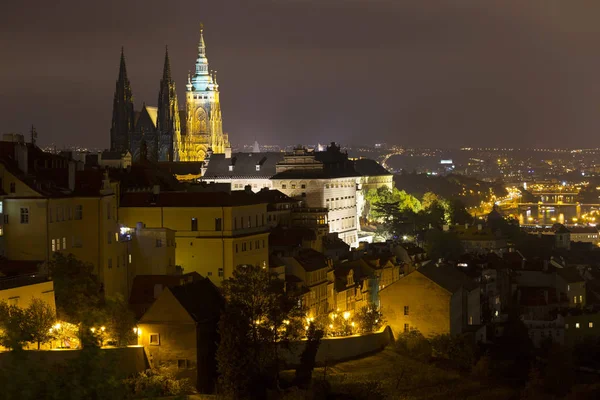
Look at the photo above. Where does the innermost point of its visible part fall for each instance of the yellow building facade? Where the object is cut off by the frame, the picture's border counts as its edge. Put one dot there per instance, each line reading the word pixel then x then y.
pixel 211 240
pixel 35 225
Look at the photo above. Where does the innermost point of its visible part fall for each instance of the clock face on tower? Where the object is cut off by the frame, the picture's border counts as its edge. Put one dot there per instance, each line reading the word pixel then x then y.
pixel 200 114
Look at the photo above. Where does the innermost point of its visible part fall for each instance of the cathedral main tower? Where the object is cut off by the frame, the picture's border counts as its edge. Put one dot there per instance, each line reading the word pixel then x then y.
pixel 203 124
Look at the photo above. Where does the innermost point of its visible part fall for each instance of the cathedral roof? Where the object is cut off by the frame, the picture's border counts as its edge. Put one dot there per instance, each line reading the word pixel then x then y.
pixel 151 113
pixel 244 165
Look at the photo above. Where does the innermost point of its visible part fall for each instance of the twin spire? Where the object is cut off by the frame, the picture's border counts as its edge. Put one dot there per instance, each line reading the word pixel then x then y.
pixel 201 77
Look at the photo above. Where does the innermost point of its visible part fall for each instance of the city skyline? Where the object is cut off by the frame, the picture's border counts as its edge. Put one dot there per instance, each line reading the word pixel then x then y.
pixel 405 74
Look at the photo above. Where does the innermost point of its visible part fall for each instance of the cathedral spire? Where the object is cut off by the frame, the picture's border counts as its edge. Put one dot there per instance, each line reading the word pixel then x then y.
pixel 123 67
pixel 123 115
pixel 167 124
pixel 202 78
pixel 167 67
pixel 201 44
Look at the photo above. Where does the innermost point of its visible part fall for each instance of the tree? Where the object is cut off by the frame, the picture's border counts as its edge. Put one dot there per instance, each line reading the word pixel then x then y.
pixel 308 356
pixel 76 287
pixel 259 316
pixel 369 318
pixel 40 318
pixel 443 245
pixel 120 321
pixel 13 327
pixel 458 214
pixel 429 199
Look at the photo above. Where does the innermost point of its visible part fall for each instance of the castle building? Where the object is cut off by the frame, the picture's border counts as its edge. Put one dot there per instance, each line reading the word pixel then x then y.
pixel 166 133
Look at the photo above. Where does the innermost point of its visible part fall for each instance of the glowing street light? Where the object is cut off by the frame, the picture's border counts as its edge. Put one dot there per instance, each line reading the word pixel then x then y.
pixel 346 315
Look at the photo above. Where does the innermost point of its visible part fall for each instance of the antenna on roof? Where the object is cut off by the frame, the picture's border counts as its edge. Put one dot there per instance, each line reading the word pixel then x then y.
pixel 33 135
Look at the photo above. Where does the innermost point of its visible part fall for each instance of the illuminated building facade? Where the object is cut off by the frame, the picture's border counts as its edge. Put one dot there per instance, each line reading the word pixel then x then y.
pixel 166 133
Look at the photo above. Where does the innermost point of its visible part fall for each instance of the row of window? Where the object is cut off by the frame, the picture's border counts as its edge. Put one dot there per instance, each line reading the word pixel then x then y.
pixel 66 213
pixel 125 258
pixel 339 185
pixel 247 246
pixel 254 185
pixel 61 244
pixel 221 273
pixel 577 326
pixel 219 223
pixel 343 223
pixel 248 221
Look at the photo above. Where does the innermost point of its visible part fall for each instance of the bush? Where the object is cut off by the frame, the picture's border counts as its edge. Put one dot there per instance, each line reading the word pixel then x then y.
pixel 414 344
pixel 158 382
pixel 482 370
pixel 458 349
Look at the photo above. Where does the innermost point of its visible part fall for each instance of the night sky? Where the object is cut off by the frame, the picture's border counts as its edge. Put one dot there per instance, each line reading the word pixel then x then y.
pixel 413 72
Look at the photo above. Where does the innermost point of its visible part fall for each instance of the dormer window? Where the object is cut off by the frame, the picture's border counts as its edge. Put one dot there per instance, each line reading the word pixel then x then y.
pixel 258 167
pixel 351 278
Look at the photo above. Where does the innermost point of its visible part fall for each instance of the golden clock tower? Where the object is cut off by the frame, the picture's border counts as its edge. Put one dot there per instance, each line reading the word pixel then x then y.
pixel 204 125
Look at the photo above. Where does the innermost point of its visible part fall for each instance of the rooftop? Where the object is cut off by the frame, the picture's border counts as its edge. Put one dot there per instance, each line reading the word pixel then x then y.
pixel 244 165
pixel 189 199
pixel 448 277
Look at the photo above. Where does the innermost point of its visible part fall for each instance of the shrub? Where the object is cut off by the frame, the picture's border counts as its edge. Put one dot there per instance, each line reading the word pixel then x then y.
pixel 414 344
pixel 158 382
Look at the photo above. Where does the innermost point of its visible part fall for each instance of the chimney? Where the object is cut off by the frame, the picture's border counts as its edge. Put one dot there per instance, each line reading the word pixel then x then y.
pixel 21 156
pixel 72 169
pixel 228 152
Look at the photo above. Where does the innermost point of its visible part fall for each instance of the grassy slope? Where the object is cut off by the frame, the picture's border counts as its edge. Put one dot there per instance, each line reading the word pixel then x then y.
pixel 399 377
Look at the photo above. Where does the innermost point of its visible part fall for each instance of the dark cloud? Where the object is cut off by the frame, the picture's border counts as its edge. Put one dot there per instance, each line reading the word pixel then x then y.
pixel 446 73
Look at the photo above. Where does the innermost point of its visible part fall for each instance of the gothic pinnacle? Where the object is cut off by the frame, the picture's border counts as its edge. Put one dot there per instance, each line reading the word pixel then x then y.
pixel 122 67
pixel 167 68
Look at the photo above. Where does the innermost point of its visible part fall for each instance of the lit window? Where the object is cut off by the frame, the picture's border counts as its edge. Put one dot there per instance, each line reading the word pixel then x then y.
pixel 130 259
pixel 116 236
pixel 64 246
pixel 568 288
pixel 470 320
pixel 154 339
pixel 591 324
pixel 57 244
pixel 53 245
pixel 581 298
pixel 577 325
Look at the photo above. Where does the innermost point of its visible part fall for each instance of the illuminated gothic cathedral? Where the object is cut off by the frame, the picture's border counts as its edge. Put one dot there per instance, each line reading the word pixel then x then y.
pixel 166 133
